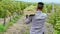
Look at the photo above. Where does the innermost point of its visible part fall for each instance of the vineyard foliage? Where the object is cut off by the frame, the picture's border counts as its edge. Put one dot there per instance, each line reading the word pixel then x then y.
pixel 11 8
pixel 54 19
pixel 8 8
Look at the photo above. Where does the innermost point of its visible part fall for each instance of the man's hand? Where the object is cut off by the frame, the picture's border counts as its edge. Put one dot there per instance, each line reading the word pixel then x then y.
pixel 26 16
pixel 31 15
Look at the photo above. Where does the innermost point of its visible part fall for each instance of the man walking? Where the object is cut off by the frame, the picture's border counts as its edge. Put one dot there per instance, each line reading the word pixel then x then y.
pixel 37 20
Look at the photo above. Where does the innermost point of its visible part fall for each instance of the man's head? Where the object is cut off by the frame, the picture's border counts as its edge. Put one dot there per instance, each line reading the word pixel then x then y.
pixel 40 6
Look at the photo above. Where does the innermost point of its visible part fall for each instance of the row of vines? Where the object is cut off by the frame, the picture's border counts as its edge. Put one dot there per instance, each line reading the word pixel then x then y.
pixel 11 8
pixel 54 19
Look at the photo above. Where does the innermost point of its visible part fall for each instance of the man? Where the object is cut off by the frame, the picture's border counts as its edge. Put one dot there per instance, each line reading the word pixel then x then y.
pixel 37 20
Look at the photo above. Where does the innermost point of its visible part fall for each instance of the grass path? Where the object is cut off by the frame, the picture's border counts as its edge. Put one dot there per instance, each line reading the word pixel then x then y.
pixel 20 28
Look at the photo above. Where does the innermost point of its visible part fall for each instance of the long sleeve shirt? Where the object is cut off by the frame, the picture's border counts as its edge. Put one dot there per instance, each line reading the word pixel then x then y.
pixel 37 22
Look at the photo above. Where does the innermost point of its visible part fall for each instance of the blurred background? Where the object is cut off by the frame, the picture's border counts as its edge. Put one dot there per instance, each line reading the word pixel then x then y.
pixel 12 15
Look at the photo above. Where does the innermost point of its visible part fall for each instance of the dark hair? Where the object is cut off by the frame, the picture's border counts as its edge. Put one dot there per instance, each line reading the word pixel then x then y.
pixel 40 5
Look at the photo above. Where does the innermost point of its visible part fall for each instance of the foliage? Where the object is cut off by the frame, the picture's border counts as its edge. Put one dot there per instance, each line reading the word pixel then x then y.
pixel 4 28
pixel 10 7
pixel 54 19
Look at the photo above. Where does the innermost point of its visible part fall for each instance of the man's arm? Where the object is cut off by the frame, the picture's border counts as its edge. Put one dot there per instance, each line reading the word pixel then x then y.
pixel 28 19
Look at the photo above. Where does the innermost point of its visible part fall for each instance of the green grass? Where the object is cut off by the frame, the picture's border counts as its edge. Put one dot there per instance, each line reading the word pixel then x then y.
pixel 56 32
pixel 4 28
pixel 14 20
